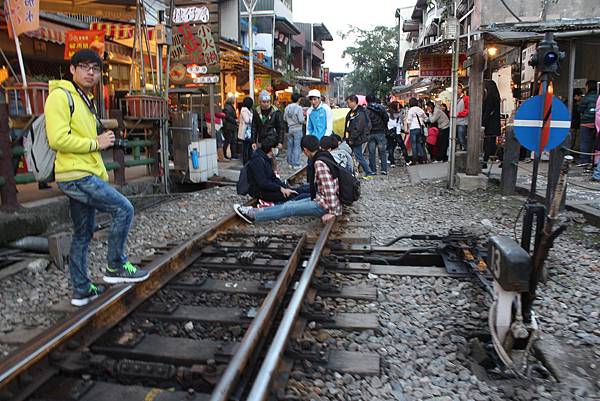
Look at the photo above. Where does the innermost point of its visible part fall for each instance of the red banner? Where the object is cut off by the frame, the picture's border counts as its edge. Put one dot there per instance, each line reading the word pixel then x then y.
pixel 77 40
pixel 437 65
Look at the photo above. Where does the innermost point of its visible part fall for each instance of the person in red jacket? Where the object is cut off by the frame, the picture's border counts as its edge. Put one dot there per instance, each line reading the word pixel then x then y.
pixel 462 117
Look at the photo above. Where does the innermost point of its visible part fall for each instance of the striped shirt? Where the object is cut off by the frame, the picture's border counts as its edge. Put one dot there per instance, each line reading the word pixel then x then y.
pixel 327 189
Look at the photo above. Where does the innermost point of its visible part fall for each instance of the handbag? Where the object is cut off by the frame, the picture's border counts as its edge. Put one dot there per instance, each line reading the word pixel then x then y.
pixel 424 129
pixel 433 136
pixel 248 133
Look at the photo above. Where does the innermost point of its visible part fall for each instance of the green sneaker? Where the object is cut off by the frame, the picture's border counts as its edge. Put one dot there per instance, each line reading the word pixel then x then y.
pixel 128 273
pixel 84 298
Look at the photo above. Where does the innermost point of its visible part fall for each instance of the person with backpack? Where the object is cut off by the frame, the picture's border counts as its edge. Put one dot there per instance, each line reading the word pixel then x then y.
pixel 358 127
pixel 245 129
pixel 75 134
pixel 377 140
pixel 324 201
pixel 587 128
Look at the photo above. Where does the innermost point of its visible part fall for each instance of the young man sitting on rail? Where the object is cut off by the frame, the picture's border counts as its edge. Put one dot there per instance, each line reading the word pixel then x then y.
pixel 324 200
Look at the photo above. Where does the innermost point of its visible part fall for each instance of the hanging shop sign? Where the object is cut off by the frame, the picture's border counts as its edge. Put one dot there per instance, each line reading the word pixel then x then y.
pixel 77 40
pixel 196 69
pixel 24 15
pixel 197 44
pixel 178 73
pixel 207 79
pixel 437 65
pixel 191 14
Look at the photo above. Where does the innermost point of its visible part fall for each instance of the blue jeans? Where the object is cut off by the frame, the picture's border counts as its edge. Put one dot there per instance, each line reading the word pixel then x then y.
pixel 293 147
pixel 596 175
pixel 360 158
pixel 379 141
pixel 416 142
pixel 461 136
pixel 303 207
pixel 586 143
pixel 87 195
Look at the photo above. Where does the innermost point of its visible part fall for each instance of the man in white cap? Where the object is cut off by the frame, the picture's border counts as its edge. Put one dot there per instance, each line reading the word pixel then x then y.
pixel 319 116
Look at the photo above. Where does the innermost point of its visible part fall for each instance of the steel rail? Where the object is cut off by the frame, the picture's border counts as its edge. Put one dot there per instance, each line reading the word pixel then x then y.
pixel 89 323
pixel 260 388
pixel 259 328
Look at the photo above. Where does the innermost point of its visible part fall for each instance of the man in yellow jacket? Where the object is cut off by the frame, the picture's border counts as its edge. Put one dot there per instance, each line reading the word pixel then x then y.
pixel 81 176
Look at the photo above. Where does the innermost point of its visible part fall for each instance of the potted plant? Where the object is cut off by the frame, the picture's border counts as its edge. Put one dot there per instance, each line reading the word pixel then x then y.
pixel 149 105
pixel 37 89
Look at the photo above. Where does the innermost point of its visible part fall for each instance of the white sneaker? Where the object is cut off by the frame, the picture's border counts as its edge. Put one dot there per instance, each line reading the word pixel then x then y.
pixel 243 212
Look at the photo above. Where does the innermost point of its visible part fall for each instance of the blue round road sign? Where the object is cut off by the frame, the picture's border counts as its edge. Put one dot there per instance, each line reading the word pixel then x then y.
pixel 528 123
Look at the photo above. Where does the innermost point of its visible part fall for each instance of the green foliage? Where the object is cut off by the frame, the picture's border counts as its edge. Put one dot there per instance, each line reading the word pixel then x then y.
pixel 375 60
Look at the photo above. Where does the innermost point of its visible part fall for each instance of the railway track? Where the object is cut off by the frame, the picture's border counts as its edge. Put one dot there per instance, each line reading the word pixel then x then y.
pixel 228 315
pixel 198 326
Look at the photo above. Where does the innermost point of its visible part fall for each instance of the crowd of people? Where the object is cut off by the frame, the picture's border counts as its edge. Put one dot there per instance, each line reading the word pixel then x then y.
pixel 365 147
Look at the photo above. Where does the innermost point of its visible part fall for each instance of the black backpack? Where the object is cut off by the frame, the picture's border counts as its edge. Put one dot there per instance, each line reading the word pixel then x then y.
pixel 348 184
pixel 243 186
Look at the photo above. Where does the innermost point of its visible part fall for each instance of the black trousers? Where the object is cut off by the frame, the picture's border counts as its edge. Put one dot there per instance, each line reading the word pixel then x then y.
pixel 230 142
pixel 489 146
pixel 442 144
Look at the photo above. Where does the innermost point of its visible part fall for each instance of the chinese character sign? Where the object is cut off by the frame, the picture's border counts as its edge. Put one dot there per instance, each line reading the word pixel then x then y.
pixel 211 55
pixel 191 14
pixel 24 15
pixel 191 44
pixel 77 40
pixel 437 65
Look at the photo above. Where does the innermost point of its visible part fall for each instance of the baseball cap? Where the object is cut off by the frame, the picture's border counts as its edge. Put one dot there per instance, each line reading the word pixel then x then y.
pixel 314 93
pixel 86 56
pixel 264 95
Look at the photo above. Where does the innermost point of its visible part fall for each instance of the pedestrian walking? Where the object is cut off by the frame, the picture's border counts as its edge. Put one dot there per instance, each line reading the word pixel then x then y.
pixel 294 117
pixel 230 128
pixel 78 139
pixel 438 117
pixel 245 129
pixel 490 119
pixel 587 130
pixel 319 116
pixel 377 140
pixel 462 114
pixel 415 125
pixel 357 132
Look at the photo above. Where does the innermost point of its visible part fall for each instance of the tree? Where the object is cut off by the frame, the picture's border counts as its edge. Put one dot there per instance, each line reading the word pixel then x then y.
pixel 375 60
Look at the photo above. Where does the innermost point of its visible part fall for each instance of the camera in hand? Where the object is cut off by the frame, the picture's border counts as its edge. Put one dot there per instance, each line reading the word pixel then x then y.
pixel 120 143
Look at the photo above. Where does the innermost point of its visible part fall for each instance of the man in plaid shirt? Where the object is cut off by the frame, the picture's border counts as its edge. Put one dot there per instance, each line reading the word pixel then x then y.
pixel 324 200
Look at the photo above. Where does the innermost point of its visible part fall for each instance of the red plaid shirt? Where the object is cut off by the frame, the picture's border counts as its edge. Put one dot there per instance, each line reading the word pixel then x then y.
pixel 327 189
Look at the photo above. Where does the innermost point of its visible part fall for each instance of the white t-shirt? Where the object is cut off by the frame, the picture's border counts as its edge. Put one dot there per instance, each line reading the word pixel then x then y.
pixel 411 117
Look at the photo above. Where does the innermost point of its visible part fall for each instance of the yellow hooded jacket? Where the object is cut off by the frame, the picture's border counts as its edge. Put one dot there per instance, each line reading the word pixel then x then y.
pixel 72 137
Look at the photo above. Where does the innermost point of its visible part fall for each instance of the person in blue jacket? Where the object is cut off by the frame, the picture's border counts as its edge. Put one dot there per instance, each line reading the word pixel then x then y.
pixel 319 116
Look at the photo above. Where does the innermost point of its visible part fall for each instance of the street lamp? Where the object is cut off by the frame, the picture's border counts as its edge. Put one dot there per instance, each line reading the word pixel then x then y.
pixel 250 5
pixel 337 85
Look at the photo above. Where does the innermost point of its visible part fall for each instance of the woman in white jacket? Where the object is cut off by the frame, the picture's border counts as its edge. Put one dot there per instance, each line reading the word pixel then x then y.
pixel 245 129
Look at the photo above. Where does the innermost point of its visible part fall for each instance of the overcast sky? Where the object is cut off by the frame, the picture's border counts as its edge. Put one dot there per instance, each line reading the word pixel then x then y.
pixel 338 15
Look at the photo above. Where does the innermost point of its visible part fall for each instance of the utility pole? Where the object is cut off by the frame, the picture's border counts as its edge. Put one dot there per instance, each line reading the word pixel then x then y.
pixel 250 5
pixel 455 60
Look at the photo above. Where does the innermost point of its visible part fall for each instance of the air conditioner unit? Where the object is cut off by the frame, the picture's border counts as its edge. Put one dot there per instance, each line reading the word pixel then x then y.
pixel 450 29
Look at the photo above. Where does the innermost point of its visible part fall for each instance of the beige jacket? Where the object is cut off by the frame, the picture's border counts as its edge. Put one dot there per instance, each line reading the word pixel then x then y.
pixel 245 120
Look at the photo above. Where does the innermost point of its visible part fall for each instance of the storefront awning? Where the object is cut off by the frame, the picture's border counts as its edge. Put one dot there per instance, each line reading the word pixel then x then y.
pixel 50 32
pixel 411 57
pixel 106 9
